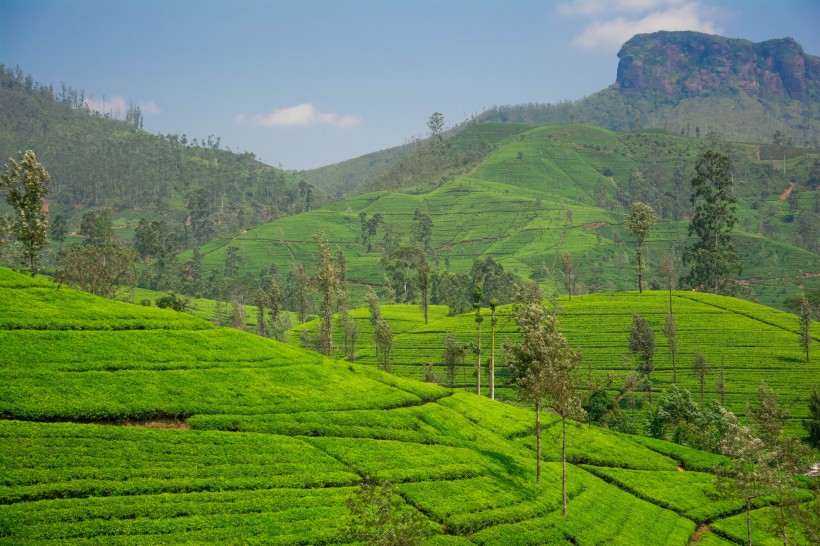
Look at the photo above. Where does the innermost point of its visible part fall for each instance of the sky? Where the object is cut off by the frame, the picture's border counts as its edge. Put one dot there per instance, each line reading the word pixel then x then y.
pixel 307 83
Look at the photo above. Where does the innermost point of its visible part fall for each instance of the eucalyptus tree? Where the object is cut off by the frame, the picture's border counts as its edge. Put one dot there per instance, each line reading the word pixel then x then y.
pixel 544 370
pixel 642 343
pixel 25 183
pixel 639 222
pixel 327 280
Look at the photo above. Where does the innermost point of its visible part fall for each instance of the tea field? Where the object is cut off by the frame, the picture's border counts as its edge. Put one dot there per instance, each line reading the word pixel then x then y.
pixel 126 424
pixel 751 342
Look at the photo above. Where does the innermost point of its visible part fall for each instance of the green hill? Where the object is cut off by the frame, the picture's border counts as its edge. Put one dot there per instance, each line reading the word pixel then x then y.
pixel 546 190
pixel 752 344
pixel 125 424
pixel 99 161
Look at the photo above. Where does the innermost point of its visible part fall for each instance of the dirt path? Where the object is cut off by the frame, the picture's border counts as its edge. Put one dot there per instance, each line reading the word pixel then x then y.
pixel 698 534
pixel 787 191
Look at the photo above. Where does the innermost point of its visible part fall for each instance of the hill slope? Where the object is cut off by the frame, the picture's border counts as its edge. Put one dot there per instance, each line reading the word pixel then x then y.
pixel 96 160
pixel 269 442
pixel 548 190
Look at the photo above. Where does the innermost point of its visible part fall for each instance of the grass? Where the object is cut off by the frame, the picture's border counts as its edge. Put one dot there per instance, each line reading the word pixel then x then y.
pixel 265 443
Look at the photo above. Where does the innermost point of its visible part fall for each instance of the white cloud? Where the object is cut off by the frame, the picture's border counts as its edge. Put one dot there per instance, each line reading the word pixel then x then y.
pixel 616 21
pixel 149 107
pixel 303 114
pixel 116 105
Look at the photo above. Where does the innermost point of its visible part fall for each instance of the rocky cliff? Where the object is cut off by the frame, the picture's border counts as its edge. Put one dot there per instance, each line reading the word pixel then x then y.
pixel 687 64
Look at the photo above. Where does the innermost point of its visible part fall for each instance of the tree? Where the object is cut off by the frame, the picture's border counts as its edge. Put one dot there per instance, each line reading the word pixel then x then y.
pixel 712 256
pixel 424 281
pixel 670 331
pixel 666 269
pixel 58 229
pixel 543 368
pixel 477 294
pixel 298 290
pixel 26 184
pixel 104 270
pixel 700 369
pixel 422 230
pixel 805 325
pixel 812 424
pixel 380 517
pixel 642 342
pixel 567 270
pixel 237 315
pixel 97 227
pixel 639 222
pixel 747 475
pixel 382 335
pixel 786 456
pixel 436 124
pixel 327 281
pixel 493 322
pixel 450 356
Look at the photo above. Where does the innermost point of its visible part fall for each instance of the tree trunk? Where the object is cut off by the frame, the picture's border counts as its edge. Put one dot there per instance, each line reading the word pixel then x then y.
pixel 749 520
pixel 538 442
pixel 564 464
pixel 492 356
pixel 478 363
pixel 640 271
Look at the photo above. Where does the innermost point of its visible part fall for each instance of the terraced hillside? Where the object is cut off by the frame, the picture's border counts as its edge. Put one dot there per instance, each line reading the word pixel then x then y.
pixel 752 343
pixel 548 190
pixel 264 443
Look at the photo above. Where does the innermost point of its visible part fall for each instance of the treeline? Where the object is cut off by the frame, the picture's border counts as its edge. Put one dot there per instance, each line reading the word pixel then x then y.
pixel 97 160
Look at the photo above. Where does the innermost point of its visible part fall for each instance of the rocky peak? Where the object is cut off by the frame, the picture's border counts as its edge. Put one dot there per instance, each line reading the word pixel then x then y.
pixel 685 64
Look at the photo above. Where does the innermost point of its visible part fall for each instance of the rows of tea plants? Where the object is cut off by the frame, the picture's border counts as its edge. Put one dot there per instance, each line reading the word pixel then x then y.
pixel 267 442
pixel 750 342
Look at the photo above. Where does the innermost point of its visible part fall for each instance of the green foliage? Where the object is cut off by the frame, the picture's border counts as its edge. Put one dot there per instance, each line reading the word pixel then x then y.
pixel 378 517
pixel 812 424
pixel 638 223
pixel 25 183
pixel 713 256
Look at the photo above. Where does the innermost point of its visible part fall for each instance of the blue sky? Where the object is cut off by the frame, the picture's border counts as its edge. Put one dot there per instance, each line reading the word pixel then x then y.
pixel 306 83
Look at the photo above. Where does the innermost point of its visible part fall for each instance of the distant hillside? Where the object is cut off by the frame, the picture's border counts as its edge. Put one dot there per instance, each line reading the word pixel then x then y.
pixel 547 190
pixel 98 161
pixel 696 84
pixel 123 424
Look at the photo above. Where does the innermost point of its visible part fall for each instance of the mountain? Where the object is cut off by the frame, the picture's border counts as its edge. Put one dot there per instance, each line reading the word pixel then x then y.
pixel 124 424
pixel 684 64
pixel 698 84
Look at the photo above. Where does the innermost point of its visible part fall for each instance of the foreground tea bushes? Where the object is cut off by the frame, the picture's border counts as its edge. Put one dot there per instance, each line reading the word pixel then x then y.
pixel 272 441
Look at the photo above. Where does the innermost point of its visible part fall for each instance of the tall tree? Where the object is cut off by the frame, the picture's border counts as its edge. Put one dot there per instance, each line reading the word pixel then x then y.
pixel 479 318
pixel 382 335
pixel 670 331
pixel 544 368
pixel 639 222
pixel 327 280
pixel 700 369
pixel 436 124
pixel 26 184
pixel 666 270
pixel 97 227
pixel 805 325
pixel 298 292
pixel 422 230
pixel 104 270
pixel 812 424
pixel 493 322
pixel 642 343
pixel 567 270
pixel 712 256
pixel 450 356
pixel 423 275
